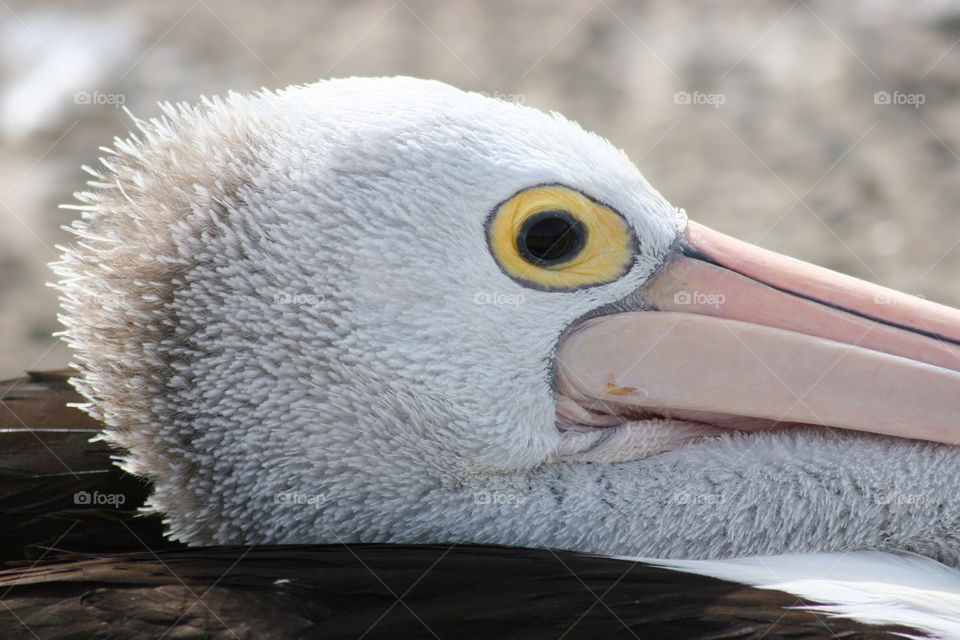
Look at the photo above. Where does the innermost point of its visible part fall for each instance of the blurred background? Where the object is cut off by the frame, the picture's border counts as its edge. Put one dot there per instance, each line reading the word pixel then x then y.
pixel 828 131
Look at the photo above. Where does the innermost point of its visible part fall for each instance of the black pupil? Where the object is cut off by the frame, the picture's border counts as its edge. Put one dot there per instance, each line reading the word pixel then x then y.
pixel 550 237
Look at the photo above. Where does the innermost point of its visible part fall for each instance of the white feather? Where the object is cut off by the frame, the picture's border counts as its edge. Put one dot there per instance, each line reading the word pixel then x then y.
pixel 869 586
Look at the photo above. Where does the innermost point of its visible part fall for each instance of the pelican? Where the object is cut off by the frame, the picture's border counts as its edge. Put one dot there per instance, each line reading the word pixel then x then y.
pixel 384 310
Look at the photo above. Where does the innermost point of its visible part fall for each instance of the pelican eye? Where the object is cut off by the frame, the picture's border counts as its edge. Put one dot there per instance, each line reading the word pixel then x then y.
pixel 555 238
pixel 551 237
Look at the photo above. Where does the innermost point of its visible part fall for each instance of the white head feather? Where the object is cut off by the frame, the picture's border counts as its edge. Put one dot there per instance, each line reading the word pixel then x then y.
pixel 273 302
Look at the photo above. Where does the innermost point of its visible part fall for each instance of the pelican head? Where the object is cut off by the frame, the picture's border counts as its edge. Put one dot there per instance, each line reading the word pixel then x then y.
pixel 387 310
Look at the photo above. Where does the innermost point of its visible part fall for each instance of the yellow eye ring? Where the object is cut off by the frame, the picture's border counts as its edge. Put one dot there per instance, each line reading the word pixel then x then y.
pixel 555 238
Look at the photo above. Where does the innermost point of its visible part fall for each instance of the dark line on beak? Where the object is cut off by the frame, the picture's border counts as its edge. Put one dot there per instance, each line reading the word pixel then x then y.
pixel 695 254
pixel 689 251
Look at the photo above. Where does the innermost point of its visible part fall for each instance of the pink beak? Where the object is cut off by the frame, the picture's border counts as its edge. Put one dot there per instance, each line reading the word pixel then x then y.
pixel 745 338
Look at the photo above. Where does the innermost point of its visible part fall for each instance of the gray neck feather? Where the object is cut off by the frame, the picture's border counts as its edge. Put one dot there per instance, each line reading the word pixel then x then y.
pixel 763 494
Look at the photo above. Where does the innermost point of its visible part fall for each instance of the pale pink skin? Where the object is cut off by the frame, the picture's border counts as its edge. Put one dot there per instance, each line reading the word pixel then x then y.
pixel 746 343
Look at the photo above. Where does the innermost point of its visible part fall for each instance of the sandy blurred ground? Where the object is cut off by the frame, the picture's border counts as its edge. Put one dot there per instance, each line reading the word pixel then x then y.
pixel 762 119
